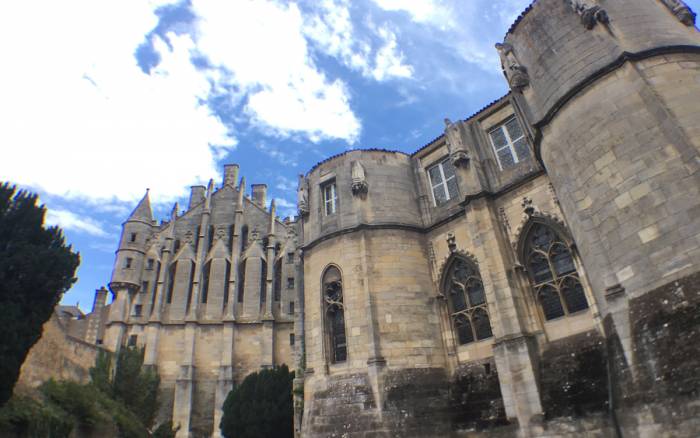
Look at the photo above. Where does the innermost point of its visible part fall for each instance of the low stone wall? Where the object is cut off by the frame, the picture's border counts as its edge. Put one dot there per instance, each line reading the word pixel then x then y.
pixel 56 355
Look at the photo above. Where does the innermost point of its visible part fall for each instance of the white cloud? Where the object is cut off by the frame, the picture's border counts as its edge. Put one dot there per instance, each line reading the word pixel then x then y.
pixel 421 11
pixel 80 118
pixel 261 45
pixel 468 29
pixel 70 221
pixel 277 154
pixel 389 62
pixel 285 207
pixel 286 184
pixel 332 31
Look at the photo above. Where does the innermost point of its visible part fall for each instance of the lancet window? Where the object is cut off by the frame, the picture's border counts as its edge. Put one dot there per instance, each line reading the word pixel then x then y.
pixel 334 314
pixel 467 300
pixel 552 273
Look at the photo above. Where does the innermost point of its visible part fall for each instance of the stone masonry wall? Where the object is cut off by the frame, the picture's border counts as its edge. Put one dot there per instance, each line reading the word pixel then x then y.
pixel 57 356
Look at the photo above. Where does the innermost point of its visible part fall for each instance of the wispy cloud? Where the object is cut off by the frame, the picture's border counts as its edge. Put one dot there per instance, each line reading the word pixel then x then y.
pixel 286 184
pixel 278 155
pixel 374 54
pixel 70 221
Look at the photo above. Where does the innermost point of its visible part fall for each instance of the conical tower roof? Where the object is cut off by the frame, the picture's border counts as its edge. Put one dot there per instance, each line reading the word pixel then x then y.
pixel 143 210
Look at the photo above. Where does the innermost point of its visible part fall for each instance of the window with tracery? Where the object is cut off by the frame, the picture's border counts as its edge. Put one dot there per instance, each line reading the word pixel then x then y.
pixel 467 301
pixel 552 273
pixel 334 312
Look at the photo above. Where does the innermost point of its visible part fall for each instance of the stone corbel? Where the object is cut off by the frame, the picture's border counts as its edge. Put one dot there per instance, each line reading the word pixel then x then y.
pixel 460 159
pixel 303 196
pixel 359 180
pixel 681 11
pixel 590 14
pixel 517 75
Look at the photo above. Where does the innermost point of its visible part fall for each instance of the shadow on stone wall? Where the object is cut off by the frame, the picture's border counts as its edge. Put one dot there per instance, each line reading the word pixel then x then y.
pixel 476 402
pixel 573 376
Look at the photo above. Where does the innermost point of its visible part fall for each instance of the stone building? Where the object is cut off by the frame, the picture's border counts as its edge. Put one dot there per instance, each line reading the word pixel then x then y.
pixel 531 272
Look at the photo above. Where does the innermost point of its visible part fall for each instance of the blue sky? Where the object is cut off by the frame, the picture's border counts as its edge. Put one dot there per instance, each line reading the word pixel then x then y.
pixel 103 99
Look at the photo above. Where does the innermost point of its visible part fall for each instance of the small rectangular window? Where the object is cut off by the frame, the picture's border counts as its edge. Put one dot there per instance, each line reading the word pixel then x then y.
pixel 290 257
pixel 330 198
pixel 132 340
pixel 149 264
pixel 127 263
pixel 290 283
pixel 144 286
pixel 291 307
pixel 132 238
pixel 443 181
pixel 98 341
pixel 509 143
pixel 291 339
pixel 138 308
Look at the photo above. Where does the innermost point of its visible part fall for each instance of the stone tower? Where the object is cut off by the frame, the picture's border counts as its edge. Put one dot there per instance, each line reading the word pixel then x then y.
pixel 612 95
pixel 203 294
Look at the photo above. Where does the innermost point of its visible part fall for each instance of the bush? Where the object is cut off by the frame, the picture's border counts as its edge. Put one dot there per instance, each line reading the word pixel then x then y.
pixel 126 403
pixel 261 407
pixel 26 417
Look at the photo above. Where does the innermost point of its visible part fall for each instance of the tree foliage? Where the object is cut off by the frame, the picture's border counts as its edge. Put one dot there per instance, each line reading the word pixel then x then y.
pixel 118 400
pixel 133 384
pixel 36 268
pixel 261 407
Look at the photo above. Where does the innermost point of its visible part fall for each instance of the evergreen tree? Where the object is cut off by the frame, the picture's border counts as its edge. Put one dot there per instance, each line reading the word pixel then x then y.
pixel 36 268
pixel 261 407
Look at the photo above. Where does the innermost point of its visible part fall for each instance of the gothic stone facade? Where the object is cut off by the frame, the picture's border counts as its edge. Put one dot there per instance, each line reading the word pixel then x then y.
pixel 531 272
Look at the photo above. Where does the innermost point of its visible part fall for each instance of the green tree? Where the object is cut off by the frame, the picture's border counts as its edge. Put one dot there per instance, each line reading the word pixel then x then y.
pixel 261 407
pixel 36 268
pixel 134 385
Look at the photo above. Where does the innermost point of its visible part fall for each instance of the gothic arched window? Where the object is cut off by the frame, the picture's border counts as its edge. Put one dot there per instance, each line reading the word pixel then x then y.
pixel 552 273
pixel 467 301
pixel 334 314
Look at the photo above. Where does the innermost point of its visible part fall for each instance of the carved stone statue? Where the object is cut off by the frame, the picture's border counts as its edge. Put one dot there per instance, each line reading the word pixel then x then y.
pixel 590 14
pixel 451 241
pixel 458 153
pixel 515 73
pixel 303 196
pixel 359 180
pixel 681 11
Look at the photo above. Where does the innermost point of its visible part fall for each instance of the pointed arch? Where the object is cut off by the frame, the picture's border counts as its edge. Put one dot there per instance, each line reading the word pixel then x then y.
pixel 334 314
pixel 545 248
pixel 461 284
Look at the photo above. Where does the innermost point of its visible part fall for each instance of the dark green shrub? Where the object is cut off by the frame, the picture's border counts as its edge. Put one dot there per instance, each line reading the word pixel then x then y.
pixel 26 417
pixel 261 407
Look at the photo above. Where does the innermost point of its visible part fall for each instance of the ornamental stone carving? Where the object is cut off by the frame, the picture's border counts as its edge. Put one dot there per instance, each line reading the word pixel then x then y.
pixel 590 14
pixel 303 196
pixel 681 11
pixel 516 74
pixel 359 180
pixel 451 242
pixel 458 153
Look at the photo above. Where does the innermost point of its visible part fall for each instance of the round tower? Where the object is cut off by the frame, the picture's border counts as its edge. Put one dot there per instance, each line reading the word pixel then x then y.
pixel 128 268
pixel 612 90
pixel 370 325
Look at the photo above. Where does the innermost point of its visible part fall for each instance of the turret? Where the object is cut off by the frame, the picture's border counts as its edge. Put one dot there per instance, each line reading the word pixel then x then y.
pixel 132 245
